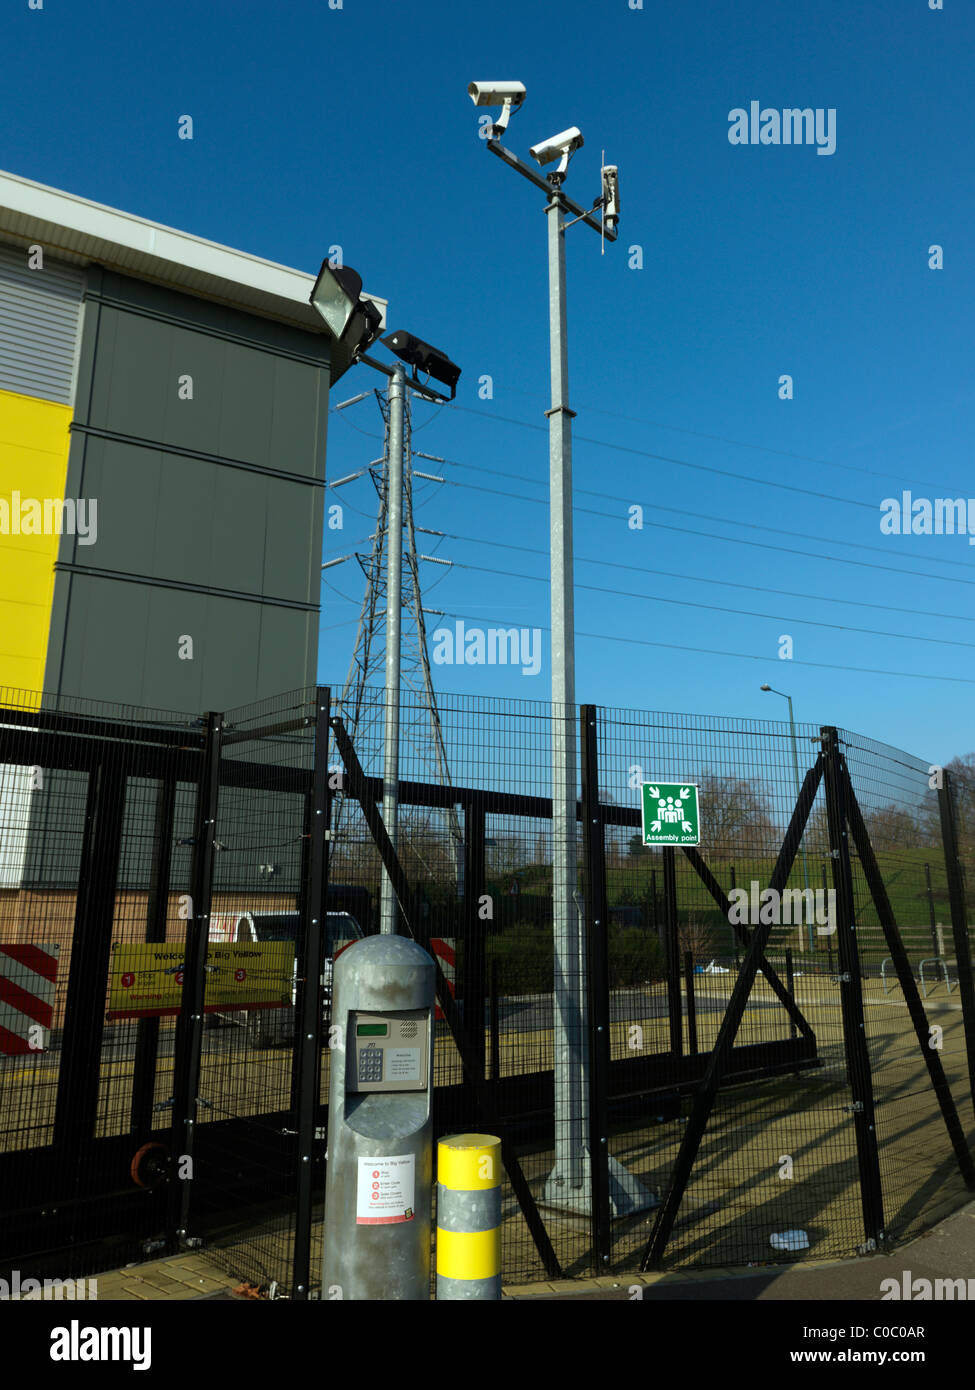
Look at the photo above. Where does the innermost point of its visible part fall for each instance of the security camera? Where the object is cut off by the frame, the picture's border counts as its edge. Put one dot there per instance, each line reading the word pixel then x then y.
pixel 562 147
pixel 507 95
pixel 611 196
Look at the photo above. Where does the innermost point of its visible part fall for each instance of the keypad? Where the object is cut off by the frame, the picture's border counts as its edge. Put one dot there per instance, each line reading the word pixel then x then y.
pixel 371 1064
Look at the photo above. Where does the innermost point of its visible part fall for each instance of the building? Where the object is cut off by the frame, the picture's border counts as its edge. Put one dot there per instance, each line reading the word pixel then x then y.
pixel 163 405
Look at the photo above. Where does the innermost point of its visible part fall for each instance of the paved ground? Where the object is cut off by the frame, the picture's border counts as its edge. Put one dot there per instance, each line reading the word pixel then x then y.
pixel 947 1252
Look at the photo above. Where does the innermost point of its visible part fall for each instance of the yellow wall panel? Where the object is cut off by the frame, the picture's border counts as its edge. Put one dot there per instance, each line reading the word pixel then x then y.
pixel 34 442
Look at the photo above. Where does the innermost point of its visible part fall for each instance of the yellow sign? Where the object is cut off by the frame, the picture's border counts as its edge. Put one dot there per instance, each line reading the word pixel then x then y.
pixel 146 979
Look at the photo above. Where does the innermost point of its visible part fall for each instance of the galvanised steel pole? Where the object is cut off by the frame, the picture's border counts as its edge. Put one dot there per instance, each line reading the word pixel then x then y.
pixel 802 851
pixel 394 606
pixel 568 1182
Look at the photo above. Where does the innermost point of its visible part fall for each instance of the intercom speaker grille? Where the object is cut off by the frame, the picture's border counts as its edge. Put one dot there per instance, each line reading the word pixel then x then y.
pixel 408 1029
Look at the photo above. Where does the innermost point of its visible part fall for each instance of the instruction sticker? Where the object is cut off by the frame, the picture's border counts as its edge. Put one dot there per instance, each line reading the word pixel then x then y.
pixel 384 1192
pixel 403 1063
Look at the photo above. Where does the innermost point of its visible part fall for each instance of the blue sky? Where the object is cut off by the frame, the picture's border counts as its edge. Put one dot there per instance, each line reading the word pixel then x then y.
pixel 352 126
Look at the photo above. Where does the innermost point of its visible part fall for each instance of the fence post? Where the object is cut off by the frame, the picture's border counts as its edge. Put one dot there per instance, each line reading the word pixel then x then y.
pixel 959 919
pixel 310 948
pixel 76 1106
pixel 597 981
pixel 734 934
pixel 147 1029
pixel 471 986
pixel 188 1047
pixel 851 996
pixel 931 913
pixel 495 1024
pixel 691 1005
pixel 672 948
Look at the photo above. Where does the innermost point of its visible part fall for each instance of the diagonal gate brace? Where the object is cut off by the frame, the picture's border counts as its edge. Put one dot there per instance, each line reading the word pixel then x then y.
pixel 720 1058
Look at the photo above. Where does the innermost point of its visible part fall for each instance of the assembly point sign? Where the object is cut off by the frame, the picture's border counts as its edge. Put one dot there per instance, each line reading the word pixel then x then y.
pixel 670 814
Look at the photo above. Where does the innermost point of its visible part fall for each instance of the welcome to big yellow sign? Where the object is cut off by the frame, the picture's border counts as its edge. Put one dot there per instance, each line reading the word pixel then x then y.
pixel 146 979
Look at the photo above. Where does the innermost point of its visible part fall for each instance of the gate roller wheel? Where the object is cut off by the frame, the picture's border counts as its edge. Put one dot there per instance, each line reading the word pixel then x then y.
pixel 150 1165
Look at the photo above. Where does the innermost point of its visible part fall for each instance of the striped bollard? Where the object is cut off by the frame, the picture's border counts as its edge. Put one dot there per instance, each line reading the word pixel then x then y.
pixel 469 1217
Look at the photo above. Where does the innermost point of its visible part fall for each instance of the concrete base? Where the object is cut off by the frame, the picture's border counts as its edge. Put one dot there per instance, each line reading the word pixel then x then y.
pixel 626 1193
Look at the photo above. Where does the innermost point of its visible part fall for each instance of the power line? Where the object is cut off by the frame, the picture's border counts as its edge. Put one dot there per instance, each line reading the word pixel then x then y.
pixel 719 438
pixel 701 516
pixel 721 583
pixel 716 608
pixel 680 463
pixel 746 656
pixel 731 540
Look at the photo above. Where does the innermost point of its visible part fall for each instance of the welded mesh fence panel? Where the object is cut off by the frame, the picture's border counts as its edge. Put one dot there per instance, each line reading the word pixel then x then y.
pixel 246 1122
pixel 776 1170
pixel 498 753
pixel 77 840
pixel 919 1171
pixel 776 1176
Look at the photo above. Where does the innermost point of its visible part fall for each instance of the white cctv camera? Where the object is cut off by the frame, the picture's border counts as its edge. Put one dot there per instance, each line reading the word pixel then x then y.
pixel 507 95
pixel 562 147
pixel 611 196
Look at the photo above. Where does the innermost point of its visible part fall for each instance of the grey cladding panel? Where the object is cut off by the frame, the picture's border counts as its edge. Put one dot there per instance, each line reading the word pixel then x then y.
pixel 39 315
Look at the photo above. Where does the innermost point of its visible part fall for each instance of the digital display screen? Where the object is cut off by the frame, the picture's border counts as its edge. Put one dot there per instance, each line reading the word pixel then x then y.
pixel 371 1030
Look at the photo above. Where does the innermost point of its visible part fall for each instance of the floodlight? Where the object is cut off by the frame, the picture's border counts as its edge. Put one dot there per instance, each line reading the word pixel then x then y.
pixel 337 297
pixel 424 358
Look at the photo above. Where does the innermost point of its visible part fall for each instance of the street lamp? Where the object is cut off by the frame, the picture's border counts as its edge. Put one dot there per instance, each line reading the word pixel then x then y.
pixel 567 1184
pixel 355 323
pixel 795 768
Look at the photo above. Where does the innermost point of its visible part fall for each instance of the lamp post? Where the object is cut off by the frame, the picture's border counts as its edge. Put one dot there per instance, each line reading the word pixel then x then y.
pixel 795 767
pixel 355 323
pixel 567 1185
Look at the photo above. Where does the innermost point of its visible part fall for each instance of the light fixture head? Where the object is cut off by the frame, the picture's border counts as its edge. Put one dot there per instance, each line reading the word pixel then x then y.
pixel 507 95
pixel 422 357
pixel 337 297
pixel 560 147
pixel 765 687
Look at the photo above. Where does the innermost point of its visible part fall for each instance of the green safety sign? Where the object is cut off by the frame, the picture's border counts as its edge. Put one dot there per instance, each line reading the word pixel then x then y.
pixel 670 814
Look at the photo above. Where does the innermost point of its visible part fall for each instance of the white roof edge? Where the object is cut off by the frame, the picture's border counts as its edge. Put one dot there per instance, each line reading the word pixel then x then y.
pixel 93 232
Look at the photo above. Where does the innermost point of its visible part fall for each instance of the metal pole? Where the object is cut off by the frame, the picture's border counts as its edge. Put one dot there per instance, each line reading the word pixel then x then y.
pixel 394 603
pixel 597 976
pixel 931 914
pixel 959 921
pixel 851 997
pixel 802 848
pixel 312 941
pixel 566 1183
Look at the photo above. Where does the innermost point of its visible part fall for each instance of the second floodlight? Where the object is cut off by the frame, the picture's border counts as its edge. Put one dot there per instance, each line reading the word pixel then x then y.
pixel 424 358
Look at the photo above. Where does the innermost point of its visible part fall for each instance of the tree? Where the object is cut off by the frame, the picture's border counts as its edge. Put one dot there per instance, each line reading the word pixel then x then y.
pixel 735 816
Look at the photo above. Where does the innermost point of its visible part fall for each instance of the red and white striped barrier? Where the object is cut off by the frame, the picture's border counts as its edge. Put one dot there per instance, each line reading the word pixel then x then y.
pixel 27 978
pixel 443 949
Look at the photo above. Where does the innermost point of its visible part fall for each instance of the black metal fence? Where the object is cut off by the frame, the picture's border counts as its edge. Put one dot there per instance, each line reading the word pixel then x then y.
pixel 762 1049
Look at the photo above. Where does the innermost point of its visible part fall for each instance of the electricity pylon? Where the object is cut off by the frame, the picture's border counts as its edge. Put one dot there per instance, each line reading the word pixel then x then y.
pixel 424 754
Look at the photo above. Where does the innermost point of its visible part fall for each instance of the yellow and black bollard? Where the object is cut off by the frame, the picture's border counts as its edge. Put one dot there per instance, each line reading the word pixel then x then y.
pixel 469 1217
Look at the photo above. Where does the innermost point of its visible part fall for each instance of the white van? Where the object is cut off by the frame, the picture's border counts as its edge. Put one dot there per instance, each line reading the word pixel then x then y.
pixel 269 1026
